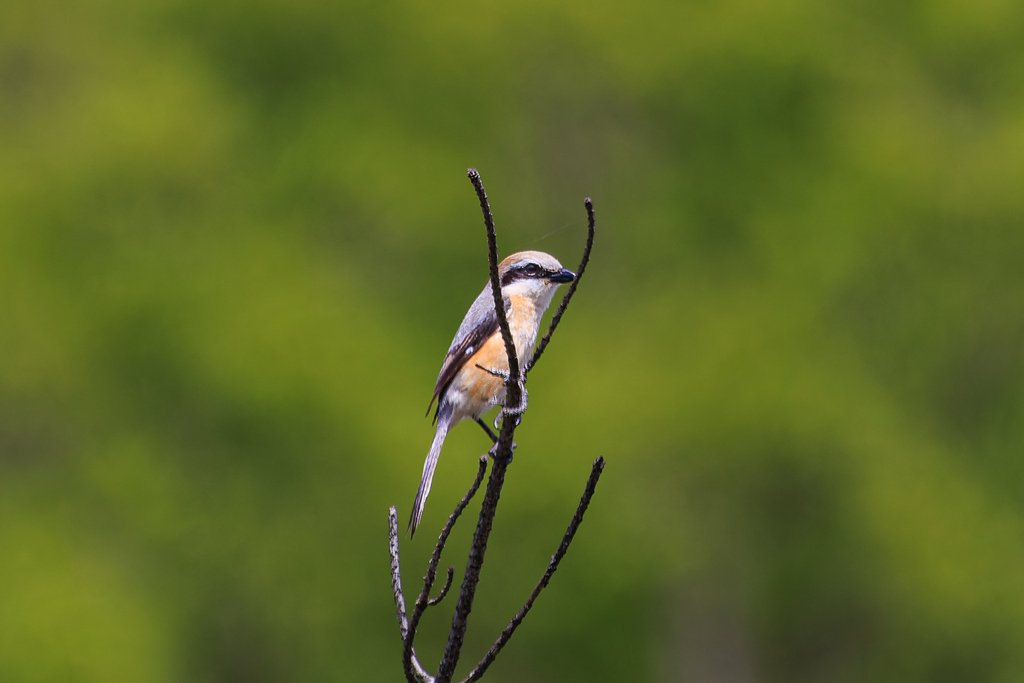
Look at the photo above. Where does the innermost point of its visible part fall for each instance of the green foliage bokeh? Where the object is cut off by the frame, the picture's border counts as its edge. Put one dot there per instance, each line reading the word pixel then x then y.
pixel 235 241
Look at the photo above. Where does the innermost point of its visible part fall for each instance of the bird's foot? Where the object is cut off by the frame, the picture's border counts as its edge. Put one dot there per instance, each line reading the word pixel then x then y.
pixel 520 408
pixel 494 451
pixel 503 374
pixel 501 415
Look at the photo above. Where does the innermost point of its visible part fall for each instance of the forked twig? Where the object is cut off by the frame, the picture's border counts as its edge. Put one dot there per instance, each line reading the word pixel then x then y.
pixel 424 600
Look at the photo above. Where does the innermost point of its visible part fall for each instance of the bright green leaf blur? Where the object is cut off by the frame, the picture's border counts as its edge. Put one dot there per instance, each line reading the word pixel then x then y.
pixel 236 239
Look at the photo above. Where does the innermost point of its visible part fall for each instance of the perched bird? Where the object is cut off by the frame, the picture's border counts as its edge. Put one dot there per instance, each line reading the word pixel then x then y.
pixel 464 390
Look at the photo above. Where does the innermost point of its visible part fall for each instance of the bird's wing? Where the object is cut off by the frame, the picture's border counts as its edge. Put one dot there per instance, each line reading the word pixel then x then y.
pixel 479 324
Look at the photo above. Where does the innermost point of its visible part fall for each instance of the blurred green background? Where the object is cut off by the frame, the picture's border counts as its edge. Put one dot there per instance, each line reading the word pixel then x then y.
pixel 236 239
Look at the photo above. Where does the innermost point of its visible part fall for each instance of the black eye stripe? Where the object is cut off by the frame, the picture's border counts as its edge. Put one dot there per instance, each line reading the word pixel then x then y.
pixel 520 273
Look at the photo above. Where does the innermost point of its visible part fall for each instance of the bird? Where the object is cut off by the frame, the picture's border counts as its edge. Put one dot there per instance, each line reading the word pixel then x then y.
pixel 472 378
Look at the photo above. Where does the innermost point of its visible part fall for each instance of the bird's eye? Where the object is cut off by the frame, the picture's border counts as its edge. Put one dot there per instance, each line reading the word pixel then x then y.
pixel 532 269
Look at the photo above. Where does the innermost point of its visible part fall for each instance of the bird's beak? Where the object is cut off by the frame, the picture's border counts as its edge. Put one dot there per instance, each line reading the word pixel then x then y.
pixel 563 275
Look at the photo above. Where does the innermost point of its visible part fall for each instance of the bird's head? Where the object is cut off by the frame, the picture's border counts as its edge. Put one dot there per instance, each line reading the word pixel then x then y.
pixel 533 275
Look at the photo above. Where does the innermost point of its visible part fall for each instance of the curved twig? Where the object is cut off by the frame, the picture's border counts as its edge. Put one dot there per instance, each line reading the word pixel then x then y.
pixel 444 591
pixel 557 317
pixel 499 307
pixel 577 519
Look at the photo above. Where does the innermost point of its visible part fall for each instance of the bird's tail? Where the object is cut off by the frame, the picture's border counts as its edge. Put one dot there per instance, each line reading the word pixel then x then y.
pixel 443 422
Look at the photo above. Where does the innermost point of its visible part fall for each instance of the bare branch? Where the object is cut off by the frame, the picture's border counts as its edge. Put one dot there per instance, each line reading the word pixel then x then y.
pixel 424 601
pixel 414 672
pixel 460 620
pixel 577 519
pixel 557 317
pixel 502 457
pixel 444 591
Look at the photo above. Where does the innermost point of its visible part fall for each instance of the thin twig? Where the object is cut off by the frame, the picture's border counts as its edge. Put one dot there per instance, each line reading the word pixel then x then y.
pixel 577 519
pixel 424 601
pixel 557 317
pixel 444 591
pixel 414 671
pixel 499 306
pixel 396 571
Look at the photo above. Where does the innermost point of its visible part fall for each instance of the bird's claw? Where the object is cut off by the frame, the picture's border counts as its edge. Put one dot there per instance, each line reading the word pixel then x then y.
pixel 523 400
pixel 502 413
pixel 521 407
pixel 494 451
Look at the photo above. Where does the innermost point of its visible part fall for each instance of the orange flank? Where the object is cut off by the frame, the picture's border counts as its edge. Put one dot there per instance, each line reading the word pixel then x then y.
pixel 491 356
